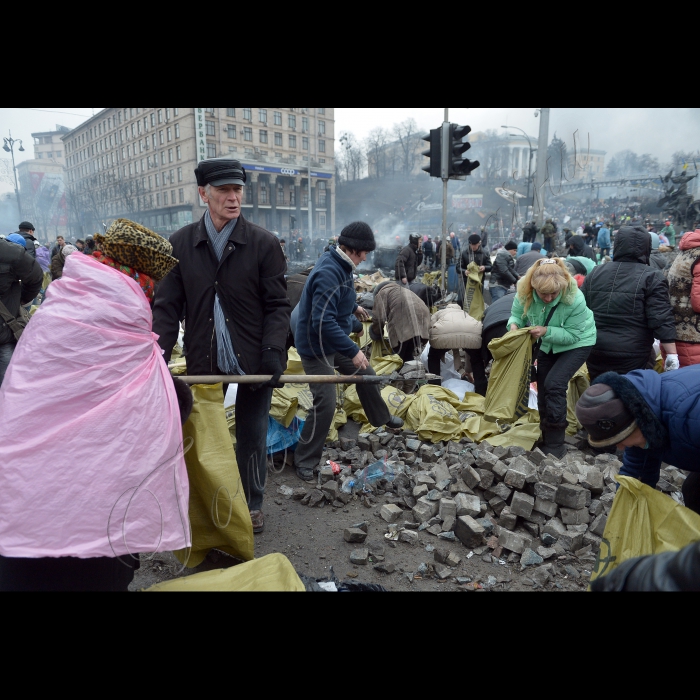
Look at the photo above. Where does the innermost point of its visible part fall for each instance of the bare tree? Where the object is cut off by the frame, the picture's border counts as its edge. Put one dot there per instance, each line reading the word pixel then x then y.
pixel 377 152
pixel 351 157
pixel 6 174
pixel 407 135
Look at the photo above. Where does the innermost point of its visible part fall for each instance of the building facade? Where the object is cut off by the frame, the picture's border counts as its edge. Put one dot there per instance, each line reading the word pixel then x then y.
pixel 48 145
pixel 43 197
pixel 139 163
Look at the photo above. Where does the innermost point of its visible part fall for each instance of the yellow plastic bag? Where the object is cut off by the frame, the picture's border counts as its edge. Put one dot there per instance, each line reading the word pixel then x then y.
pixel 271 574
pixel 474 293
pixel 294 365
pixel 383 361
pixel 643 522
pixel 577 387
pixel 434 420
pixel 508 394
pixel 525 433
pixel 218 508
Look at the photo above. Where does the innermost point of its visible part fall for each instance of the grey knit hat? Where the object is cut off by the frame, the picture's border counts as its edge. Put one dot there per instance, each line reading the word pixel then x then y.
pixel 358 236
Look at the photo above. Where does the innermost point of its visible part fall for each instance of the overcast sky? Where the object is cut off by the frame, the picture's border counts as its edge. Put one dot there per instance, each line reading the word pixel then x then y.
pixel 659 132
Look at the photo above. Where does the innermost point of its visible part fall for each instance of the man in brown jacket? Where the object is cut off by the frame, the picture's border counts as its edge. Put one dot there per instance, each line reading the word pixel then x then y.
pixel 405 315
pixel 230 283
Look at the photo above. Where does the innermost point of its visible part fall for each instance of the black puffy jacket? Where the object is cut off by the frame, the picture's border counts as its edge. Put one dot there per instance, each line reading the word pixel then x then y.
pixel 579 249
pixel 629 300
pixel 20 281
pixel 503 273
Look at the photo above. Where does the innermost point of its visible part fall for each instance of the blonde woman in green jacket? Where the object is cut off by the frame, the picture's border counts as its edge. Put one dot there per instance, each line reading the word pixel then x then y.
pixel 550 303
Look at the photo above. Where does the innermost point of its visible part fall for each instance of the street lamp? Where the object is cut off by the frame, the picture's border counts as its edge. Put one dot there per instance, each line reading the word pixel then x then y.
pixel 9 147
pixel 532 150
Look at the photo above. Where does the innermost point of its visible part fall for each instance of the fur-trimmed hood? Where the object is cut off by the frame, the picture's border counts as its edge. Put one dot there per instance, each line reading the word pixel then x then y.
pixel 667 410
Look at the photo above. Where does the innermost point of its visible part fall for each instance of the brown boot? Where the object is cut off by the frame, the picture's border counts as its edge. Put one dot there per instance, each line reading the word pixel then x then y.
pixel 258 520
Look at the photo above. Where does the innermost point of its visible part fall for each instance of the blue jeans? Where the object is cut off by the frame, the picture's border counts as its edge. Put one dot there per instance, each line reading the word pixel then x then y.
pixel 5 357
pixel 497 293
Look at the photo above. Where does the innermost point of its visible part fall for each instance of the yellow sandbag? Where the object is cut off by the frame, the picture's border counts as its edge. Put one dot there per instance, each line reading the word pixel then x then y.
pixel 383 361
pixel 525 433
pixel 397 402
pixel 643 522
pixel 284 405
pixel 294 365
pixel 434 420
pixel 218 510
pixel 271 574
pixel 508 394
pixel 577 387
pixel 178 367
pixel 659 367
pixel 474 293
pixel 339 420
pixel 431 279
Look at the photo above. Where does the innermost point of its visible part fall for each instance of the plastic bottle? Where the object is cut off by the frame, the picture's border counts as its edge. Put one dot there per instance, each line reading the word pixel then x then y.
pixel 369 476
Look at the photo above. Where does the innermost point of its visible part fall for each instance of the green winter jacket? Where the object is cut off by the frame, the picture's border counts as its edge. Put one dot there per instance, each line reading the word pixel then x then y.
pixel 670 233
pixel 572 326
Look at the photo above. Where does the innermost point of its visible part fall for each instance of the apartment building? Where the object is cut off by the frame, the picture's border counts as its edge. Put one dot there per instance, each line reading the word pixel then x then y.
pixel 139 163
pixel 48 145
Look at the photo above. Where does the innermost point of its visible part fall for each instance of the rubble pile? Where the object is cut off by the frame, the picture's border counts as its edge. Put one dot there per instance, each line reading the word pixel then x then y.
pixel 505 505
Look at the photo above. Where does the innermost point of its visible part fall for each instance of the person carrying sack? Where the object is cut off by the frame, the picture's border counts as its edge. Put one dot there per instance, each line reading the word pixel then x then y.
pixel 21 278
pixel 551 304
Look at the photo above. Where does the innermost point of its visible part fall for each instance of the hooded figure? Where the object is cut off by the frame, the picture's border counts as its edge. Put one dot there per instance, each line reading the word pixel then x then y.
pixel 631 305
pixel 657 260
pixel 409 260
pixel 76 518
pixel 579 250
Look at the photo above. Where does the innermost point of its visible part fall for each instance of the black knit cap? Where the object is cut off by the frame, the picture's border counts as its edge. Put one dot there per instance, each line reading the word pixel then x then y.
pixel 26 226
pixel 475 239
pixel 604 416
pixel 358 236
pixel 219 172
pixel 511 245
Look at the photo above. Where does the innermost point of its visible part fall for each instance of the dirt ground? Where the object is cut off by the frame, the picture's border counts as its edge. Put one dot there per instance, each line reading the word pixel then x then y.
pixel 312 539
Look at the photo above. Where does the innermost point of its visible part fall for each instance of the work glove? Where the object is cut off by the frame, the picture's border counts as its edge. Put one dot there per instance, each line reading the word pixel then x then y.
pixel 271 364
pixel 672 363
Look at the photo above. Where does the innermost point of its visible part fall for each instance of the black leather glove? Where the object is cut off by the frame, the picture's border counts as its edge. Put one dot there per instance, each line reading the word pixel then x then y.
pixel 272 364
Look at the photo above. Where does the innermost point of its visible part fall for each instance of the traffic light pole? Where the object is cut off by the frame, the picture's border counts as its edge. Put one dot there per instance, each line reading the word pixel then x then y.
pixel 445 181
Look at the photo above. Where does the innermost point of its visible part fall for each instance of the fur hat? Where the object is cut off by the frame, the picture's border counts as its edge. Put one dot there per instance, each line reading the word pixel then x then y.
pixel 134 245
pixel 358 236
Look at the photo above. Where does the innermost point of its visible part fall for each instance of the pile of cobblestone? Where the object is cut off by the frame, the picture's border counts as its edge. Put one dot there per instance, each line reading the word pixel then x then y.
pixel 505 505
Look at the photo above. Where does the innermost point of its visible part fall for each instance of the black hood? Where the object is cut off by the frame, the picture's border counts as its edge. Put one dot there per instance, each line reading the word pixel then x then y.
pixel 577 246
pixel 632 244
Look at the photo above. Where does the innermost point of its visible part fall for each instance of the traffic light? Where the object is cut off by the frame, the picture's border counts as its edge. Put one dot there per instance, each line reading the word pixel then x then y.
pixel 459 166
pixel 434 153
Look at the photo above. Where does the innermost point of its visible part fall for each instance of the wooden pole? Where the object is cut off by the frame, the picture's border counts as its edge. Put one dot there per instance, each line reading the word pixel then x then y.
pixel 287 379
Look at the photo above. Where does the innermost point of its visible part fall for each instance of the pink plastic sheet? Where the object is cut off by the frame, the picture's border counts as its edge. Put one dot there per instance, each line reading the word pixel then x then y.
pixel 91 454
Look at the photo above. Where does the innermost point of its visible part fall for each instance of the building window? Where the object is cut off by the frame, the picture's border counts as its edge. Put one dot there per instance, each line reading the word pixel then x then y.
pixel 278 118
pixel 278 139
pixel 263 136
pixel 280 194
pixel 211 150
pixel 321 146
pixel 231 131
pixel 248 114
pixel 182 196
pixel 263 116
pixel 292 121
pixel 321 126
pixel 247 133
pixel 322 221
pixel 211 128
pixel 263 193
pixel 322 194
pixel 292 141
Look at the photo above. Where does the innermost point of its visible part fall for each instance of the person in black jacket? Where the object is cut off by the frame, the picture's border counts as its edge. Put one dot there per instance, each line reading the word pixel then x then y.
pixel 530 232
pixel 503 274
pixel 27 230
pixel 475 253
pixel 579 249
pixel 409 260
pixel 230 279
pixel 21 277
pixel 632 307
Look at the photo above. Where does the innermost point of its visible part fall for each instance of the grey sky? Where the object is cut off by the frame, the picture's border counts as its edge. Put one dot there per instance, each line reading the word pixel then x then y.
pixel 659 132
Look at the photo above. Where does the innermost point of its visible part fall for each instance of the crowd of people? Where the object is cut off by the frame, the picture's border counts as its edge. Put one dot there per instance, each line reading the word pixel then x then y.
pixel 599 298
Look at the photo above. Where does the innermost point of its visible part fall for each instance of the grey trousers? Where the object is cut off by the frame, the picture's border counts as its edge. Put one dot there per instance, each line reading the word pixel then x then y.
pixel 318 423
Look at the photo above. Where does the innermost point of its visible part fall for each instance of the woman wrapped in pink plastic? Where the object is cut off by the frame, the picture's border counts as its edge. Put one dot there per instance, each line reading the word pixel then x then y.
pixel 92 471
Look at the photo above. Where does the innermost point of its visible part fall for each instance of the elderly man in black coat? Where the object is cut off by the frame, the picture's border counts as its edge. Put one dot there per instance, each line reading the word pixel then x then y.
pixel 230 282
